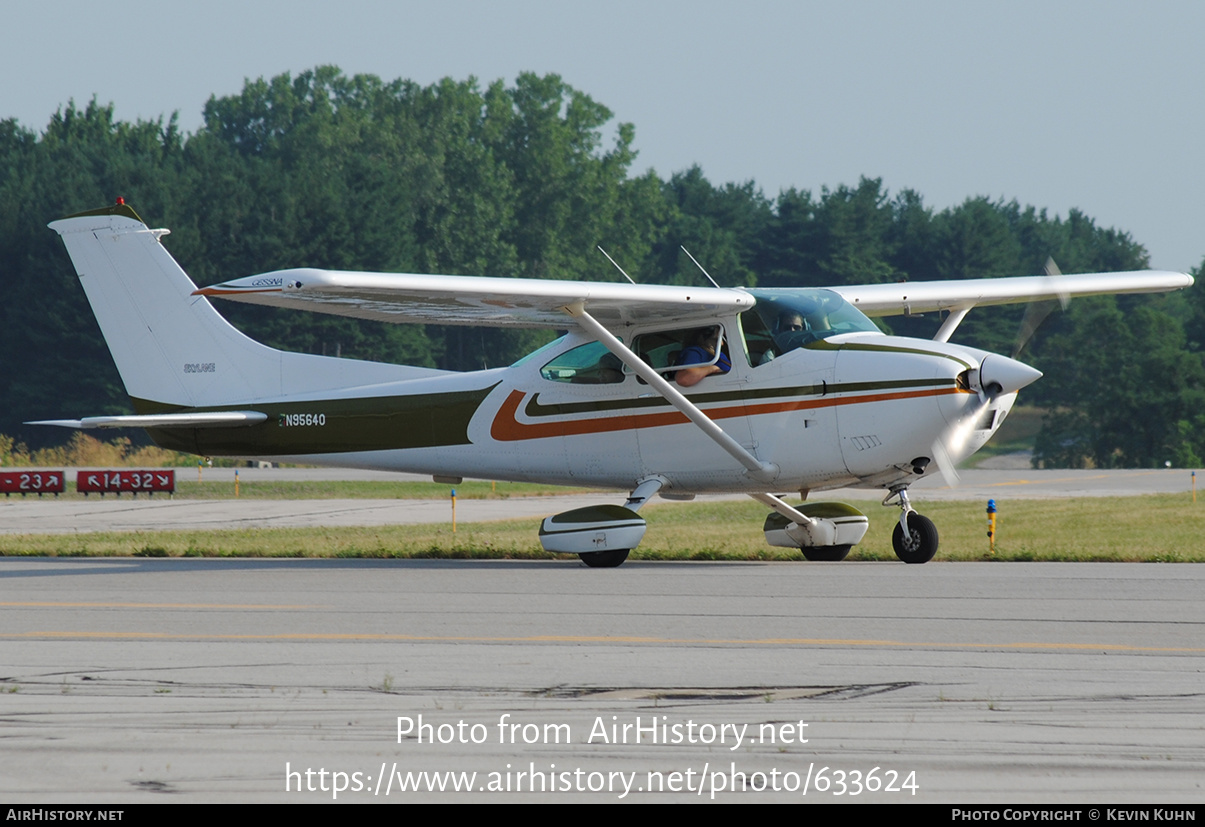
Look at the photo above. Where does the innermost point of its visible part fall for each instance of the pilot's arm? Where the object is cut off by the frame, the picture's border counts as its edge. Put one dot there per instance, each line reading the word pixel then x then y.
pixel 690 376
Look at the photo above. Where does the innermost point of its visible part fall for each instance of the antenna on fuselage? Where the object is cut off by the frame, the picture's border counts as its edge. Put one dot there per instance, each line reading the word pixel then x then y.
pixel 700 266
pixel 617 267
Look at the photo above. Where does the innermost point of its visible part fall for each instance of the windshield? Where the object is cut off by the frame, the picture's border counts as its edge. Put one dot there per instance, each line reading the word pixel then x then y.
pixel 792 318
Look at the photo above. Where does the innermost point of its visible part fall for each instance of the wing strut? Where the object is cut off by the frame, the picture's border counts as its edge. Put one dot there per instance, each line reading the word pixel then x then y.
pixel 957 314
pixel 785 509
pixel 758 470
pixel 644 491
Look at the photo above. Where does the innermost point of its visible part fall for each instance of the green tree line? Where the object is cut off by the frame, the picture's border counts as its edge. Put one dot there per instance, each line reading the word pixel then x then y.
pixel 326 170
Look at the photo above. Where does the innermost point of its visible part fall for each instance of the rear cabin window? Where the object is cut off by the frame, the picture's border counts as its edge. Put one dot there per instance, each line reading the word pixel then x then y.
pixel 590 364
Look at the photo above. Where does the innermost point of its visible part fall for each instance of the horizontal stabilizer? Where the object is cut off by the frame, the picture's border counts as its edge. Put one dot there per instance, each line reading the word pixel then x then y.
pixel 224 419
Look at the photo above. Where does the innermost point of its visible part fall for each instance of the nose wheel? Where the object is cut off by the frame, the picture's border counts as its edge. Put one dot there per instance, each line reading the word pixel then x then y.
pixel 915 537
pixel 919 543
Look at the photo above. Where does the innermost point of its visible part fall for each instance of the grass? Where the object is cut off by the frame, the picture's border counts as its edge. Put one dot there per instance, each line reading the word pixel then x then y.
pixel 1159 528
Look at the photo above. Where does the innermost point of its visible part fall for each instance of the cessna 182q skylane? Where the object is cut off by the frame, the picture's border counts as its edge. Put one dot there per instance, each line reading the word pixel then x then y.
pixel 654 389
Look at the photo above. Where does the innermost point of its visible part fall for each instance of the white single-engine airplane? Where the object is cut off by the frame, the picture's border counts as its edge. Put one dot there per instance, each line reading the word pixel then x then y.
pixel 654 389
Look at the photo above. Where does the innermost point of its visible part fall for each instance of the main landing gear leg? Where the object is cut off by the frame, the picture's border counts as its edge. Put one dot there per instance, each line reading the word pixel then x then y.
pixel 594 532
pixel 914 537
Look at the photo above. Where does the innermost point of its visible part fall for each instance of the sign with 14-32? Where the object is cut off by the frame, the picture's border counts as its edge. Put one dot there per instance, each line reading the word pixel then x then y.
pixel 127 482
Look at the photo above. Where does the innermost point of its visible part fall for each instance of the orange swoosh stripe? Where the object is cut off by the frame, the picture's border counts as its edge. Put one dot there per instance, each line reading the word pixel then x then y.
pixel 507 428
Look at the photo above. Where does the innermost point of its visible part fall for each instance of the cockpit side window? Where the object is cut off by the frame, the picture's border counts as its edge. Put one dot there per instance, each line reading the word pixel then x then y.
pixel 685 355
pixel 664 349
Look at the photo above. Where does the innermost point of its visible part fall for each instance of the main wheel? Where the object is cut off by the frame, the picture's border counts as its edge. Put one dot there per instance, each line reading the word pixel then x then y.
pixel 921 543
pixel 826 554
pixel 605 559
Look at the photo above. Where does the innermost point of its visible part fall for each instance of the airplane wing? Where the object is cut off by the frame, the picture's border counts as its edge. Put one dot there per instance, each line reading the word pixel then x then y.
pixel 477 300
pixel 930 296
pixel 507 302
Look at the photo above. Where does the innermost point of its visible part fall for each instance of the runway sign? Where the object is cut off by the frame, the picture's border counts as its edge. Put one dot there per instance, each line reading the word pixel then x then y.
pixel 32 482
pixel 125 482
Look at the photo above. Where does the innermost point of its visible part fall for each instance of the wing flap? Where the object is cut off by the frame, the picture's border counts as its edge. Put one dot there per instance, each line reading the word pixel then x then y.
pixel 476 300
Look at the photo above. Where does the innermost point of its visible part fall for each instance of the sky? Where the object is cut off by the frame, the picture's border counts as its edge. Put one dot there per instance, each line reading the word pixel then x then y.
pixel 1058 104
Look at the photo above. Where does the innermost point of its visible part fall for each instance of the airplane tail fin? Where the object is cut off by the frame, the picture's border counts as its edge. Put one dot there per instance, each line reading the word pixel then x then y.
pixel 173 348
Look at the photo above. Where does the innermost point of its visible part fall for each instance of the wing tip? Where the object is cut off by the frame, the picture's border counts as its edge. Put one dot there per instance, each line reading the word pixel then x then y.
pixel 120 208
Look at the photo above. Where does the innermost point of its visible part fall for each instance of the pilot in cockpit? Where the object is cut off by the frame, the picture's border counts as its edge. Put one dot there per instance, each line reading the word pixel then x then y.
pixel 702 355
pixel 788 321
pixel 795 328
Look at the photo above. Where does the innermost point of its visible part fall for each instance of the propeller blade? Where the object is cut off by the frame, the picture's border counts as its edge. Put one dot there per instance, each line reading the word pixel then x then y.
pixel 1037 312
pixel 950 448
pixel 945 464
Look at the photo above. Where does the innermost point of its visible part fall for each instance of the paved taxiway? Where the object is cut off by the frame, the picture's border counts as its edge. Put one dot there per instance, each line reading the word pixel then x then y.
pixel 34 515
pixel 201 680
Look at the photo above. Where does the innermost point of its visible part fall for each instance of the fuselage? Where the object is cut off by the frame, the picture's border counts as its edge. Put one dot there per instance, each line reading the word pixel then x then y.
pixel 854 408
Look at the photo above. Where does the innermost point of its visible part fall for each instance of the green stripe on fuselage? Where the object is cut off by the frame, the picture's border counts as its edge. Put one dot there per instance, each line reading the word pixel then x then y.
pixel 330 426
pixel 535 408
pixel 823 344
